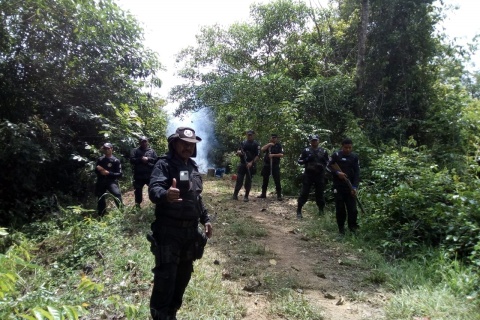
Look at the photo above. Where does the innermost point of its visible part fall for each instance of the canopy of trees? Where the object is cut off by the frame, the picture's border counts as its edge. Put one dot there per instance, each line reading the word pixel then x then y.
pixel 374 70
pixel 71 77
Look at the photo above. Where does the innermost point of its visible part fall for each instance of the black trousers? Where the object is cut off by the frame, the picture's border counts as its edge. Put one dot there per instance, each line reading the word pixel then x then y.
pixel 242 174
pixel 276 178
pixel 317 181
pixel 101 188
pixel 346 210
pixel 174 255
pixel 138 184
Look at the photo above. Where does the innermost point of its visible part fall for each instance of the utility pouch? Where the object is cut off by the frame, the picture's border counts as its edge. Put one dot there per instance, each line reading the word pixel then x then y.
pixel 200 243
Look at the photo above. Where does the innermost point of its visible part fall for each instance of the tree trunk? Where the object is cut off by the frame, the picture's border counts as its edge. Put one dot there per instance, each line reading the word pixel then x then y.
pixel 362 39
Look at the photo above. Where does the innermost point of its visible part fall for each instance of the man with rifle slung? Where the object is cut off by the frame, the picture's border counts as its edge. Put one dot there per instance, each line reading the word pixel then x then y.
pixel 315 159
pixel 345 169
pixel 271 166
pixel 249 152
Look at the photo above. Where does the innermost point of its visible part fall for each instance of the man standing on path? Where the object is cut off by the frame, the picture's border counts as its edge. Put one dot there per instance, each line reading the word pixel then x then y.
pixel 315 159
pixel 249 153
pixel 271 166
pixel 175 188
pixel 348 162
pixel 108 170
pixel 143 159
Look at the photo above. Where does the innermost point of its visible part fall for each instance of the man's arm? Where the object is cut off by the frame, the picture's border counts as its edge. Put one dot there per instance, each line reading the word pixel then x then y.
pixel 117 169
pixel 205 218
pixel 135 158
pixel 304 157
pixel 152 159
pixel 159 183
pixel 356 173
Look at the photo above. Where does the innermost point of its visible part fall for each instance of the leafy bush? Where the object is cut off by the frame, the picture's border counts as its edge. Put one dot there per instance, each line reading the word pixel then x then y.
pixel 414 203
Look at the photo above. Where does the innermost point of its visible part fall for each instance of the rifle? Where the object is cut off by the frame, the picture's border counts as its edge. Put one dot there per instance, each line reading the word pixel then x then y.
pixel 336 167
pixel 245 158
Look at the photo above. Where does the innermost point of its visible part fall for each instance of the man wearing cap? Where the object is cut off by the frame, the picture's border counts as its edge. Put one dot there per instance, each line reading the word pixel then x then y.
pixel 315 159
pixel 175 188
pixel 271 165
pixel 108 170
pixel 249 153
pixel 143 158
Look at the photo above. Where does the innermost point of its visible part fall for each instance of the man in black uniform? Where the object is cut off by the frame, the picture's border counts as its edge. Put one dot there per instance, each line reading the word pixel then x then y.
pixel 271 165
pixel 249 152
pixel 143 158
pixel 108 170
pixel 175 187
pixel 315 159
pixel 344 195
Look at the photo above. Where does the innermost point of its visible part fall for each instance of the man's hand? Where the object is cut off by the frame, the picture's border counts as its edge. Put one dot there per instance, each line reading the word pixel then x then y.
pixel 208 230
pixel 249 164
pixel 341 175
pixel 173 194
pixel 144 159
pixel 102 171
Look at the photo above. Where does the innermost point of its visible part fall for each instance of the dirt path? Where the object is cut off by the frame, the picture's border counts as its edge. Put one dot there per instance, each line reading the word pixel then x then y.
pixel 329 278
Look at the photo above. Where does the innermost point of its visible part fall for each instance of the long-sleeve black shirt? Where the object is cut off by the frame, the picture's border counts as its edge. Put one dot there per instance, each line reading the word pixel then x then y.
pixel 350 166
pixel 191 207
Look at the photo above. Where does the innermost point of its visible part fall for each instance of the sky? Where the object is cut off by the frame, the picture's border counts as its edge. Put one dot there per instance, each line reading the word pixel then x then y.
pixel 171 25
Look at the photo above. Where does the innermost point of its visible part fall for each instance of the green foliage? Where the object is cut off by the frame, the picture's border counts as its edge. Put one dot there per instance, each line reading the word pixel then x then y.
pixel 416 204
pixel 72 75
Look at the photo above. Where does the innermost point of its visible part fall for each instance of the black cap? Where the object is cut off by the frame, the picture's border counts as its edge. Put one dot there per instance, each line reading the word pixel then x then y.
pixel 107 145
pixel 250 132
pixel 185 134
pixel 143 138
pixel 313 137
pixel 274 135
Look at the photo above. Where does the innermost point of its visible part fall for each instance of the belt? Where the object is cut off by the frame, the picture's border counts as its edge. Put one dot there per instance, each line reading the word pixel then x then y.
pixel 179 223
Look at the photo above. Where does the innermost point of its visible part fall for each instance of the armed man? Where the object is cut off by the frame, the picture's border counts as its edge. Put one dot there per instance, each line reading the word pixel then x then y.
pixel 249 153
pixel 345 168
pixel 176 187
pixel 315 160
pixel 143 159
pixel 271 166
pixel 108 170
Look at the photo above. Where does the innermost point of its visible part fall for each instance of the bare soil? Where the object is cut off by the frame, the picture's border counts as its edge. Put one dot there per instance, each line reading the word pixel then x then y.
pixel 327 274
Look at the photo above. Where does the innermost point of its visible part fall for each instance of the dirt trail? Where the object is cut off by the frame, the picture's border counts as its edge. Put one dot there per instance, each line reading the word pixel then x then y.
pixel 325 272
pixel 330 278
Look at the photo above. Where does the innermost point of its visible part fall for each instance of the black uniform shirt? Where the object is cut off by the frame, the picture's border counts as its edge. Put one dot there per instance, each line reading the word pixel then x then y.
pixel 112 165
pixel 141 169
pixel 191 207
pixel 251 149
pixel 275 149
pixel 310 156
pixel 349 165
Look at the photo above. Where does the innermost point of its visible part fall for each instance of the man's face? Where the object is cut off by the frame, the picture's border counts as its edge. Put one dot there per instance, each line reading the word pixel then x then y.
pixel 347 148
pixel 143 144
pixel 249 136
pixel 273 139
pixel 107 151
pixel 184 149
pixel 314 143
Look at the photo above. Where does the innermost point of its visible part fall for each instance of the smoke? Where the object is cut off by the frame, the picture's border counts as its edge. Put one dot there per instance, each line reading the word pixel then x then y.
pixel 201 122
